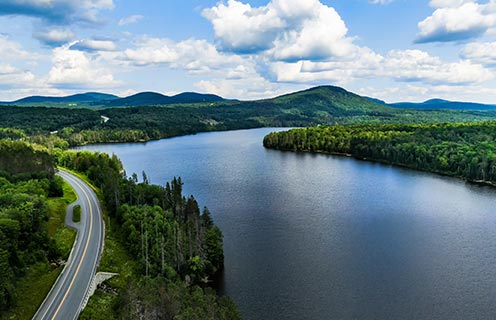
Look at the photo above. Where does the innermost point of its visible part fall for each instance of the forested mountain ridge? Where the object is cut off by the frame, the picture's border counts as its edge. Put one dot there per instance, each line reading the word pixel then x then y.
pixel 153 98
pixel 436 104
pixel 466 150
pixel 325 105
pixel 80 97
pixel 339 97
pixel 96 99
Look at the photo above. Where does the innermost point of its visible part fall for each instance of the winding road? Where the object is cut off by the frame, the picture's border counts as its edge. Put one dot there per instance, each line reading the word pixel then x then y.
pixel 69 294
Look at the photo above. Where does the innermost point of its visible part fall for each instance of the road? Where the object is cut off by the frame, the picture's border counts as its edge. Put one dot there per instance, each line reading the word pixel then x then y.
pixel 68 294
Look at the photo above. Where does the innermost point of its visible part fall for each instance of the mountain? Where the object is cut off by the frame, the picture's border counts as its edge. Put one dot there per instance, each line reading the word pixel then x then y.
pixel 379 101
pixel 76 98
pixel 109 100
pixel 154 98
pixel 193 97
pixel 435 104
pixel 327 101
pixel 139 99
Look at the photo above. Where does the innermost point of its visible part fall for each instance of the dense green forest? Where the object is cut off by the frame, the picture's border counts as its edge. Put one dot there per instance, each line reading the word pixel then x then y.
pixel 176 246
pixel 317 106
pixel 26 182
pixel 466 150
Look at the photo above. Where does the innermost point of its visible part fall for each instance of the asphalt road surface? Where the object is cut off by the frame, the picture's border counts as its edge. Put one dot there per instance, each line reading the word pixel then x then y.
pixel 68 294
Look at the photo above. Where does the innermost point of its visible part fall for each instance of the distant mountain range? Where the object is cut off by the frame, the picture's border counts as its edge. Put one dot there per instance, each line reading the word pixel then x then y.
pixel 76 98
pixel 314 95
pixel 443 104
pixel 109 100
pixel 437 104
pixel 153 98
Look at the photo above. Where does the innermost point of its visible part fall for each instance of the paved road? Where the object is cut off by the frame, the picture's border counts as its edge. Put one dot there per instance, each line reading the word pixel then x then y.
pixel 68 294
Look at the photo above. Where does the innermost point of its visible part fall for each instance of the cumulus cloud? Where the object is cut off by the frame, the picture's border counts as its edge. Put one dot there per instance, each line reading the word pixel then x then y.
pixel 55 36
pixel 195 56
pixel 402 66
pixel 57 11
pixel 286 29
pixel 14 77
pixel 129 20
pixel 363 64
pixel 419 66
pixel 12 50
pixel 480 52
pixel 456 20
pixel 91 45
pixel 78 69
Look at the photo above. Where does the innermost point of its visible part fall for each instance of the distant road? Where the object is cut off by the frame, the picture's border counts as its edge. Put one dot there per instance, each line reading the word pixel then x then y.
pixel 68 294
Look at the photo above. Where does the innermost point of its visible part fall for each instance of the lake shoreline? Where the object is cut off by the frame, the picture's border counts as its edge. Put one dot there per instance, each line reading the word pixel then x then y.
pixel 348 155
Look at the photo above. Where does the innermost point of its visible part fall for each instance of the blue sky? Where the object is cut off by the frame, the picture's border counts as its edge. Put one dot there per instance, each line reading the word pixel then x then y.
pixel 396 50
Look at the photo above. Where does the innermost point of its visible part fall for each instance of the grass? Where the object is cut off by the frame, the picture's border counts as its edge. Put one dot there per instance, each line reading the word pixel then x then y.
pixel 32 290
pixel 76 216
pixel 38 280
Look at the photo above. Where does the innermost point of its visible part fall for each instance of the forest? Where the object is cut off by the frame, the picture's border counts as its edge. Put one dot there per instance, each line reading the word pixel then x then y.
pixel 27 181
pixel 466 150
pixel 176 246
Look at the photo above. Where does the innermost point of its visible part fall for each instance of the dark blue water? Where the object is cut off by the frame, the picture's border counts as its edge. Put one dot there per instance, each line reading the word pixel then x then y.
pixel 323 237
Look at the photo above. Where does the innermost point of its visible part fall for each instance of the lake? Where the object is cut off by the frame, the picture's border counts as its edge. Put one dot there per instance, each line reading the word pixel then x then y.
pixel 323 237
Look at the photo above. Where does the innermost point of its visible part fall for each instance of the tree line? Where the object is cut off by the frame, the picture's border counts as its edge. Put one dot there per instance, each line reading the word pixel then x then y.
pixel 177 247
pixel 466 150
pixel 26 182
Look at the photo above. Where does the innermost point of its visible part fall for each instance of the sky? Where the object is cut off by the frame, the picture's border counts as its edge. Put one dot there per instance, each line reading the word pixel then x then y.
pixel 395 50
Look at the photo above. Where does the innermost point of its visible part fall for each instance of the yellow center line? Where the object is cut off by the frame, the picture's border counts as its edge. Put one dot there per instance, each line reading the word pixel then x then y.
pixel 84 252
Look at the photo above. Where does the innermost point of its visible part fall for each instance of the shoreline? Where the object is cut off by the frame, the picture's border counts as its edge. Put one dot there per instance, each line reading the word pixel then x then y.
pixel 399 165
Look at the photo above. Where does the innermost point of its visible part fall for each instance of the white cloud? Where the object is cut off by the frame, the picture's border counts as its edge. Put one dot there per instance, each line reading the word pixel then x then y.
pixel 195 56
pixel 285 29
pixel 129 20
pixel 480 52
pixel 74 68
pixel 247 88
pixel 448 3
pixel 14 77
pixel 419 66
pixel 455 20
pixel 11 50
pixel 403 66
pixel 364 63
pixel 55 36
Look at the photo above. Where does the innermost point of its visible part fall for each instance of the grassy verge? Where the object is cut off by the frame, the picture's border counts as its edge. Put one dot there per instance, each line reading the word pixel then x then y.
pixel 115 259
pixel 35 285
pixel 76 216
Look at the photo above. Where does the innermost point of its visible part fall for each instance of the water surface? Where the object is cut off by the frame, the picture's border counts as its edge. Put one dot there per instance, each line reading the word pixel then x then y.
pixel 323 237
